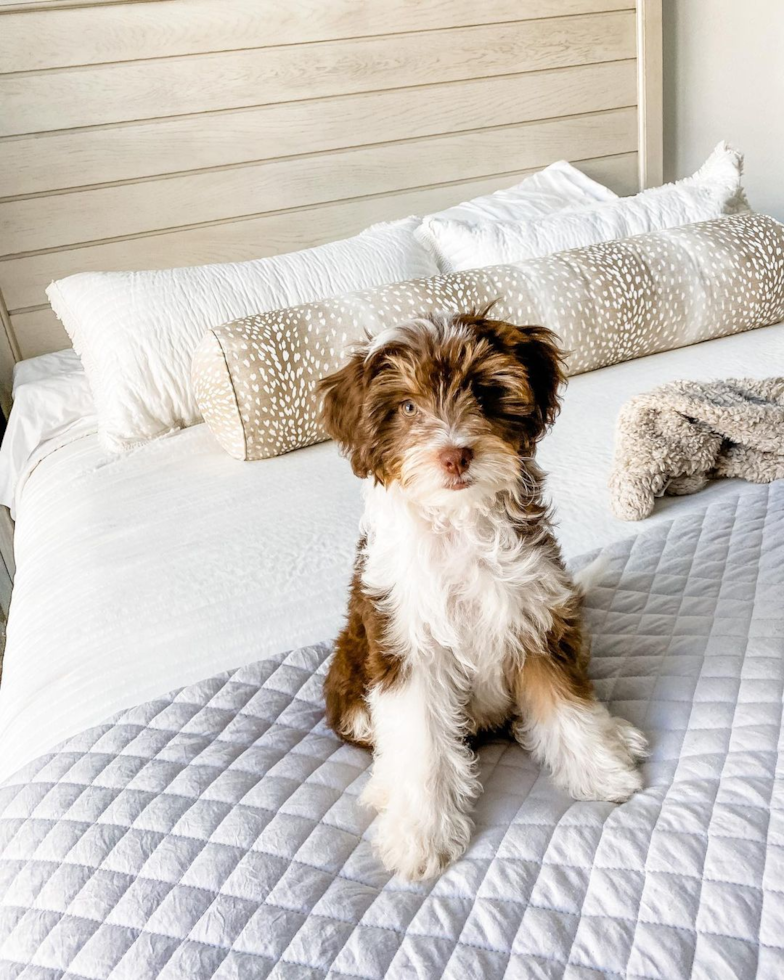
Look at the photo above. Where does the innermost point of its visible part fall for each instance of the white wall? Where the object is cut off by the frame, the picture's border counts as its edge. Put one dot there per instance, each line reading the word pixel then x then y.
pixel 724 79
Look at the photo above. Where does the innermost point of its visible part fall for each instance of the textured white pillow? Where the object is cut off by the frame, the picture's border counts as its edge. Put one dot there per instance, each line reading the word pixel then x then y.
pixel 472 243
pixel 53 406
pixel 136 331
pixel 556 187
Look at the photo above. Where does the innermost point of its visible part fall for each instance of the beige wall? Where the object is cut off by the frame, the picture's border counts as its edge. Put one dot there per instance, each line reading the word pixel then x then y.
pixel 724 79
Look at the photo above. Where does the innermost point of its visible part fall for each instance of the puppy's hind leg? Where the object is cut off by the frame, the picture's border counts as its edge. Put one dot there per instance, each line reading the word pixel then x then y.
pixel 348 714
pixel 423 778
pixel 590 754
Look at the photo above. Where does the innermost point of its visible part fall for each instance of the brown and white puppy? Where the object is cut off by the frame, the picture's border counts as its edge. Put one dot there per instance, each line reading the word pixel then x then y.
pixel 461 616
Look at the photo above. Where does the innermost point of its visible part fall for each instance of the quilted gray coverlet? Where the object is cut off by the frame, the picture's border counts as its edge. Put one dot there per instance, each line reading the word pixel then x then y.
pixel 216 833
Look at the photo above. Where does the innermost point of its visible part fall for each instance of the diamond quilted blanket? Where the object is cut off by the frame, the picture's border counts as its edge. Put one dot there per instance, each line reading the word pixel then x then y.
pixel 215 833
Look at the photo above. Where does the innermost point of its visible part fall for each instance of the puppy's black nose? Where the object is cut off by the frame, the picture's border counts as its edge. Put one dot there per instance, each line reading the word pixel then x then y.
pixel 456 459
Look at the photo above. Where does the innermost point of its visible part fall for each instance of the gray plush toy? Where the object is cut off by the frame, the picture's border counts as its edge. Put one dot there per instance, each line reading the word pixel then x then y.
pixel 675 438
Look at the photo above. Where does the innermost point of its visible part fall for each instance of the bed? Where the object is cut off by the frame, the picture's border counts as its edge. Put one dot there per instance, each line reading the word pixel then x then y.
pixel 148 588
pixel 133 148
pixel 215 830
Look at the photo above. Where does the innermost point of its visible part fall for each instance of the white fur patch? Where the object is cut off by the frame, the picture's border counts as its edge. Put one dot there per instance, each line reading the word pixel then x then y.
pixel 464 581
pixel 356 725
pixel 466 595
pixel 423 780
pixel 463 594
pixel 590 576
pixel 590 754
pixel 400 332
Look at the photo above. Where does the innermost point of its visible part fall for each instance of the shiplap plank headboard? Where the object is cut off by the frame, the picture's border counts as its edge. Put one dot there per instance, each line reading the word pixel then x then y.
pixel 153 133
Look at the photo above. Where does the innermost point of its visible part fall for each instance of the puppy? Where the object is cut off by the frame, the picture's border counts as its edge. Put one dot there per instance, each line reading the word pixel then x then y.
pixel 461 616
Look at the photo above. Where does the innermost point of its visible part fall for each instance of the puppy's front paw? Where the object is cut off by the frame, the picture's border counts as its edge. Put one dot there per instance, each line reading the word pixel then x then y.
pixel 633 739
pixel 420 849
pixel 613 785
pixel 610 773
pixel 375 795
pixel 601 761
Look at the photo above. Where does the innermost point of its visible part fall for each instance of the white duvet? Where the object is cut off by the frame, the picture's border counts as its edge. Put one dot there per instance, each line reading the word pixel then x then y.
pixel 142 573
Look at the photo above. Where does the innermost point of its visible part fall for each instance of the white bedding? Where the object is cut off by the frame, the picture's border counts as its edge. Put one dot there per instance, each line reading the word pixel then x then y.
pixel 139 574
pixel 215 833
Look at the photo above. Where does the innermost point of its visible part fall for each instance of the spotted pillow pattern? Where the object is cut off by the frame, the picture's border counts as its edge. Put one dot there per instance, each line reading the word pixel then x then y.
pixel 255 378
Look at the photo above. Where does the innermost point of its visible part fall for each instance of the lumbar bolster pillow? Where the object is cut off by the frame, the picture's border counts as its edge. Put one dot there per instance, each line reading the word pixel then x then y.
pixel 255 379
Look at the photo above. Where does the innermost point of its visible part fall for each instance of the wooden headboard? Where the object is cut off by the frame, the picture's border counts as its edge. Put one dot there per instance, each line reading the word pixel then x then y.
pixel 153 133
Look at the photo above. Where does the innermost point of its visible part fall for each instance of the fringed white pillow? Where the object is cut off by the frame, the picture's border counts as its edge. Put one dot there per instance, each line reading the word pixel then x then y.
pixel 460 242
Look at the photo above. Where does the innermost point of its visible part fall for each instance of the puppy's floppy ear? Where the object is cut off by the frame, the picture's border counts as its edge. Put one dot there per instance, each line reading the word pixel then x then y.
pixel 342 410
pixel 537 349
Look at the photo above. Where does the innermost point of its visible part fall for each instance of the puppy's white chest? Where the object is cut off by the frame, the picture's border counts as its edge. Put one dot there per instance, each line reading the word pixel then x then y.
pixel 470 587
pixel 457 591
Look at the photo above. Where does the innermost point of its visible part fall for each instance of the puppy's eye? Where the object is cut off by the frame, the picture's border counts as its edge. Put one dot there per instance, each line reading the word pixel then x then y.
pixel 408 408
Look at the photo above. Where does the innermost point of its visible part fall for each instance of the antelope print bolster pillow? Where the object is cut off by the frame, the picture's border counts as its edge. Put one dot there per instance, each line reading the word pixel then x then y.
pixel 255 378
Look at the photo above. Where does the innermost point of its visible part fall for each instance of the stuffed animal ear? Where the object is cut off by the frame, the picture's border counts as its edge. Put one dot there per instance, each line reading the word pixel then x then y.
pixel 343 407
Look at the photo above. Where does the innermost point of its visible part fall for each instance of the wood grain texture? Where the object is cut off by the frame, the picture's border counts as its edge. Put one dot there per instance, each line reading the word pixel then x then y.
pixel 7 545
pixel 6 588
pixel 67 98
pixel 11 6
pixel 69 159
pixel 95 35
pixel 9 355
pixel 82 216
pixel 24 280
pixel 38 332
pixel 650 92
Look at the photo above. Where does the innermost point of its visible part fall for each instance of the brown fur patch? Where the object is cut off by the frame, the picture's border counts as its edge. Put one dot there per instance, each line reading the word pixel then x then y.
pixel 487 375
pixel 558 674
pixel 361 661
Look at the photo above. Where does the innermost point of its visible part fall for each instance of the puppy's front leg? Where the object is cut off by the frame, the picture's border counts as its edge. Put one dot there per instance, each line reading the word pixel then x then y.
pixel 423 780
pixel 591 754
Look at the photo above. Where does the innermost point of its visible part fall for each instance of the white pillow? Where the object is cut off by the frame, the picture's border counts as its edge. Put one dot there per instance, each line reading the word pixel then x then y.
pixel 714 190
pixel 558 186
pixel 136 331
pixel 52 407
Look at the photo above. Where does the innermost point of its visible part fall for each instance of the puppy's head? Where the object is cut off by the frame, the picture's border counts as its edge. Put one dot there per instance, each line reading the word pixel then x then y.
pixel 448 406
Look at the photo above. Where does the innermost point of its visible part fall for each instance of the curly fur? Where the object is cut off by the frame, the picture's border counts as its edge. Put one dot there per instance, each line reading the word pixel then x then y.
pixel 461 617
pixel 675 438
